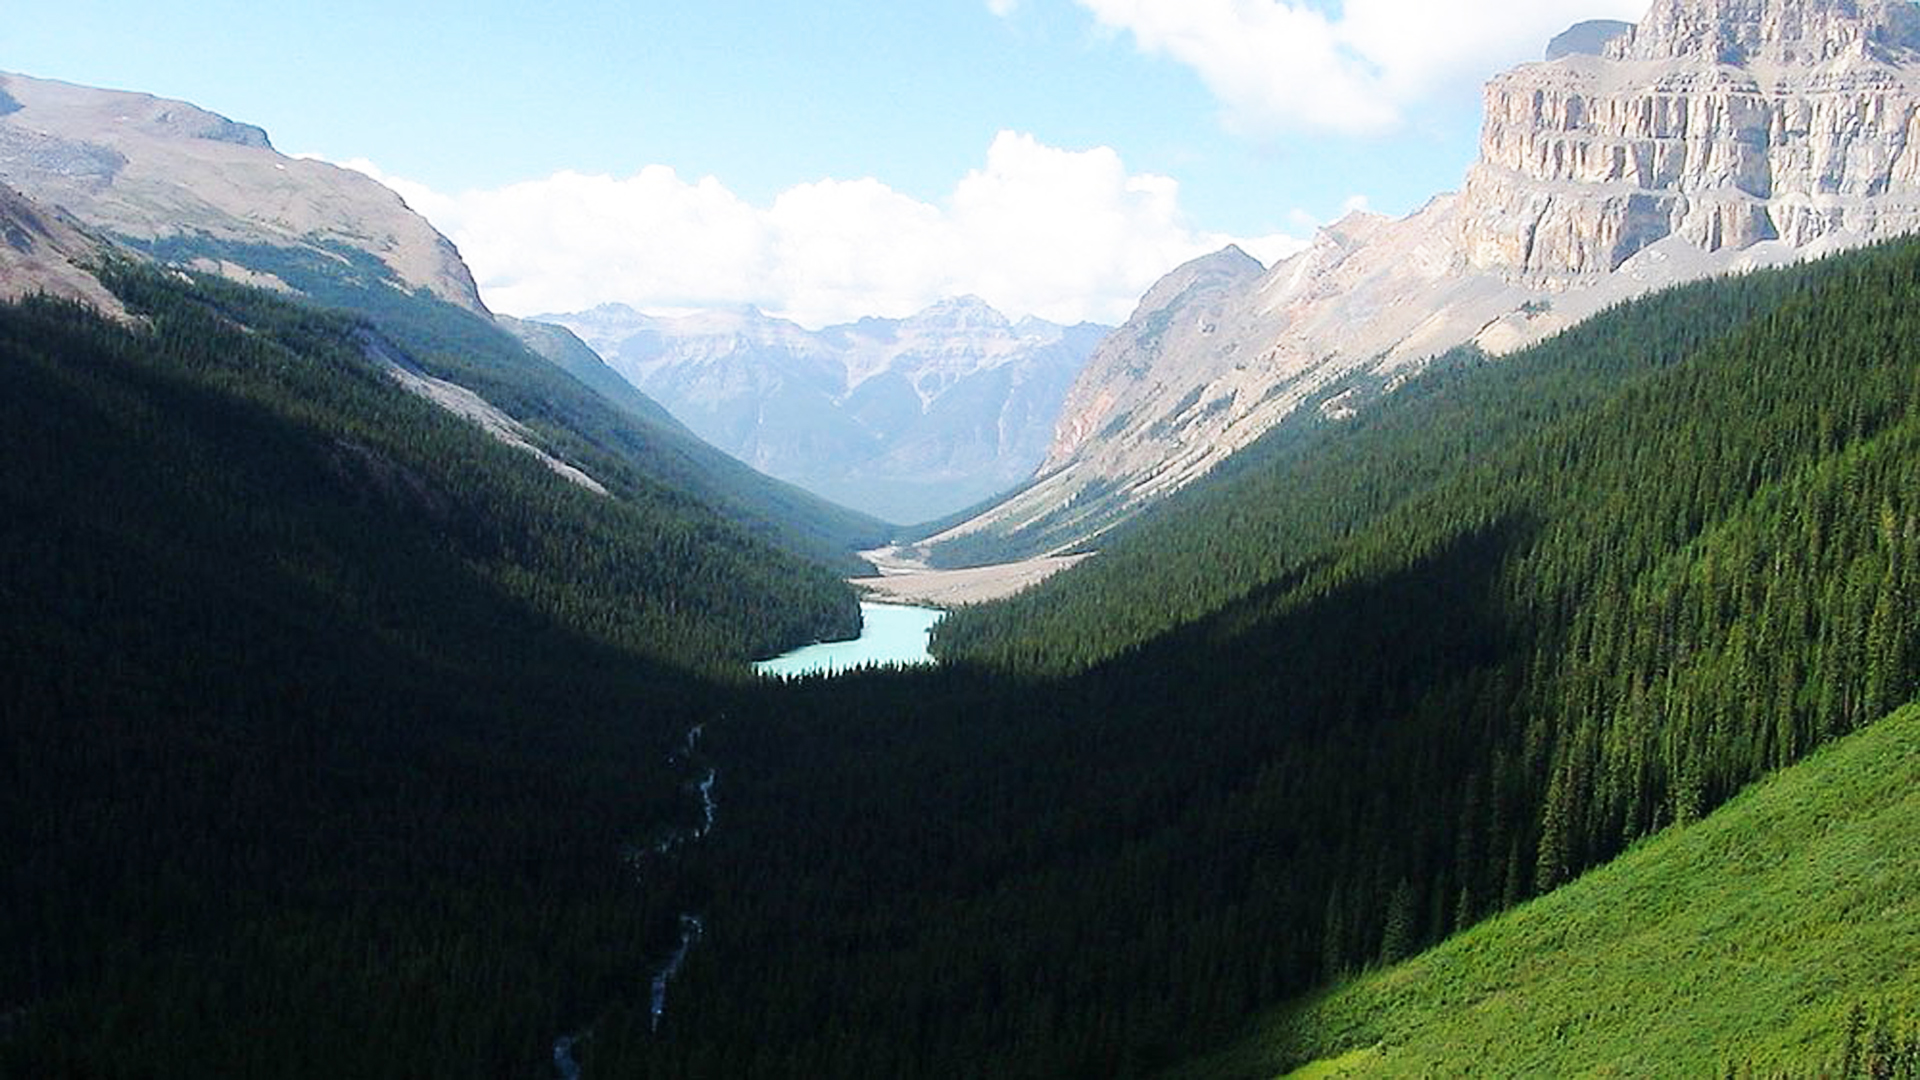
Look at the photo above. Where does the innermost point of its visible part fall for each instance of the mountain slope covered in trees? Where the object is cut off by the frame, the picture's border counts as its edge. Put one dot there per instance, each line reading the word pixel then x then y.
pixel 327 717
pixel 579 410
pixel 333 723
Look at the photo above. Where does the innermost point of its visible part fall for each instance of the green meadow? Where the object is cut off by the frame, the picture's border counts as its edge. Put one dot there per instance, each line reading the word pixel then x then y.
pixel 1749 943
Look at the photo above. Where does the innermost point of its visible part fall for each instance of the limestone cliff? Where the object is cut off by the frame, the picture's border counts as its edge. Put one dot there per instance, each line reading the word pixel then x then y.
pixel 1725 122
pixel 1712 136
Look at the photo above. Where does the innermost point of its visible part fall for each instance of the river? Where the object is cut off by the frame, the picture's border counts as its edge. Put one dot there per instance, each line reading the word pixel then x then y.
pixel 691 926
pixel 889 634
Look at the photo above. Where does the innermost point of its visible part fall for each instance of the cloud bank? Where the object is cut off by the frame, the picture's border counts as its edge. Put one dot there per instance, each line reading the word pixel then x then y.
pixel 1278 65
pixel 1067 235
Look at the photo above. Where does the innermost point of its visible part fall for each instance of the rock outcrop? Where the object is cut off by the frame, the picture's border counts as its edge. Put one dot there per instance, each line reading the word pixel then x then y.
pixel 1788 32
pixel 42 250
pixel 1713 136
pixel 172 177
pixel 1590 38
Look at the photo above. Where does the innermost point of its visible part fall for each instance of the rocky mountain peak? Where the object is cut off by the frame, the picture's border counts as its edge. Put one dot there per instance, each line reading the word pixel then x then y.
pixel 1224 268
pixel 1723 124
pixel 208 192
pixel 908 419
pixel 969 313
pixel 1740 32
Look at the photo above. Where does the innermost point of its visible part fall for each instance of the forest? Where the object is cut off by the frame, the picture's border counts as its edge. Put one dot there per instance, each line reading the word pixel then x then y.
pixel 1334 706
pixel 328 744
pixel 327 715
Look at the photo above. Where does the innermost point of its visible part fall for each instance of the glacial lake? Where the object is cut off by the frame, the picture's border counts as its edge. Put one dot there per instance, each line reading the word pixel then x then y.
pixel 889 634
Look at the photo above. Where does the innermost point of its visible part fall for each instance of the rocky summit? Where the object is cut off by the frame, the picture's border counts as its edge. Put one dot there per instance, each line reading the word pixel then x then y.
pixel 197 188
pixel 1712 136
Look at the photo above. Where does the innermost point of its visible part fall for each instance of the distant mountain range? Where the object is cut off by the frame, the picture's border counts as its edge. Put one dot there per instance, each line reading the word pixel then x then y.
pixel 1711 137
pixel 906 419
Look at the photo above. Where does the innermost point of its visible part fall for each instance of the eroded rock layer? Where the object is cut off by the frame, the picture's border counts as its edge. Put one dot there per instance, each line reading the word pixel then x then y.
pixel 1727 123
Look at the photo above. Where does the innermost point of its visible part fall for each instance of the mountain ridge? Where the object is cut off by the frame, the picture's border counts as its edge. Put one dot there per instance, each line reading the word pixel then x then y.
pixel 1639 159
pixel 189 188
pixel 143 170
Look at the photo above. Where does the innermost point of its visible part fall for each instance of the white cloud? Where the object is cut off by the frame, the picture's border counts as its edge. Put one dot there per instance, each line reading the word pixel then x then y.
pixel 1002 8
pixel 1278 64
pixel 1063 234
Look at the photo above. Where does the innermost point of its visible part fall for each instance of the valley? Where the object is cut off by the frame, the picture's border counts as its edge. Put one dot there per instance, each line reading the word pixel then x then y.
pixel 1480 641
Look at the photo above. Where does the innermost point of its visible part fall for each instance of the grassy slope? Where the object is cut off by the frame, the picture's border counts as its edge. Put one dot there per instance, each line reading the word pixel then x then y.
pixel 1744 939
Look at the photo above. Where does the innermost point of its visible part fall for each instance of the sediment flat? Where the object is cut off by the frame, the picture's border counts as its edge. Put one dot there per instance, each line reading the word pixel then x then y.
pixel 905 580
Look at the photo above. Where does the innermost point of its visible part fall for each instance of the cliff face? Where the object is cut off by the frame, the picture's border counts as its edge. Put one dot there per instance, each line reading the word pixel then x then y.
pixel 1773 31
pixel 151 171
pixel 1715 135
pixel 1727 123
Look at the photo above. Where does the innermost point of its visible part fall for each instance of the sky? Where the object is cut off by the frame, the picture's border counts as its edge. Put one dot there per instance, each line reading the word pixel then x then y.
pixel 831 160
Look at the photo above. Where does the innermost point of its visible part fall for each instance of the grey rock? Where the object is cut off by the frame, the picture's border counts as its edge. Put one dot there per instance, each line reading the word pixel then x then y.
pixel 1590 38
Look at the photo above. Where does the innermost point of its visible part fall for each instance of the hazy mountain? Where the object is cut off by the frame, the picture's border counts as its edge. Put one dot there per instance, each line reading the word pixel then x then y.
pixel 1713 136
pixel 908 419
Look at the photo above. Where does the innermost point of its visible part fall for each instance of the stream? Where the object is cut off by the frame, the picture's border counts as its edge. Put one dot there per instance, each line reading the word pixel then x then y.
pixel 692 926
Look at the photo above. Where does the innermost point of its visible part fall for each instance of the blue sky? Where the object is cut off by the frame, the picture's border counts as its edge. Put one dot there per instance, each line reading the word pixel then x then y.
pixel 828 160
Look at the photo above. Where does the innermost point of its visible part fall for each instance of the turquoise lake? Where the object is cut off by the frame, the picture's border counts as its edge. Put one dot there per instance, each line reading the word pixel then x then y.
pixel 889 634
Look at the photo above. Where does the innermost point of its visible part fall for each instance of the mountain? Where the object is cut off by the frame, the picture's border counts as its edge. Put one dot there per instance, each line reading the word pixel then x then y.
pixel 295 661
pixel 341 739
pixel 1715 136
pixel 158 174
pixel 1447 656
pixel 907 419
pixel 193 189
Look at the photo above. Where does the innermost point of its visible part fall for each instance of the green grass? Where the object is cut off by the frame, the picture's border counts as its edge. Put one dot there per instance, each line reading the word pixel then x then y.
pixel 1744 940
pixel 1352 1063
